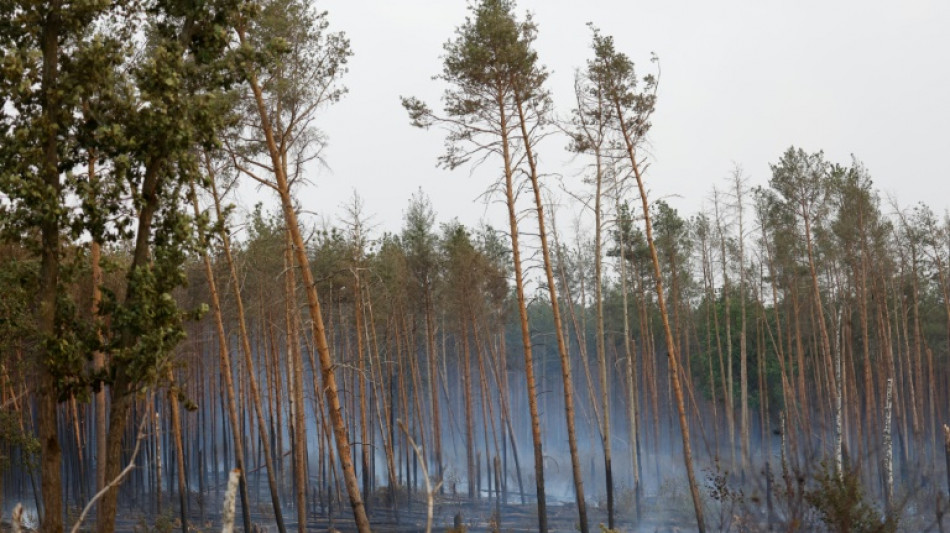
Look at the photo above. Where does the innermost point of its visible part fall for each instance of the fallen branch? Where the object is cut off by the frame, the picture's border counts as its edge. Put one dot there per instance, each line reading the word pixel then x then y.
pixel 430 491
pixel 116 481
pixel 12 401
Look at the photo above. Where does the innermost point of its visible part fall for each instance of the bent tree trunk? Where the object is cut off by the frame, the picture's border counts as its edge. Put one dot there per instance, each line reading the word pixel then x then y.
pixel 525 332
pixel 123 389
pixel 179 452
pixel 664 316
pixel 313 304
pixel 246 350
pixel 559 330
pixel 224 361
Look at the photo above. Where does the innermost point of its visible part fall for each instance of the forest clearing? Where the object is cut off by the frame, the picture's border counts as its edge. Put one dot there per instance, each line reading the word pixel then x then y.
pixel 176 358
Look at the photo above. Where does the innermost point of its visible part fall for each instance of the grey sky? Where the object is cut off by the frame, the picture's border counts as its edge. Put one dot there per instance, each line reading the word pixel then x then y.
pixel 741 81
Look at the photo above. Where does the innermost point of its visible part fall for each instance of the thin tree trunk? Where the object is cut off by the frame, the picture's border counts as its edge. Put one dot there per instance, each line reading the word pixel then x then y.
pixel 826 344
pixel 525 333
pixel 179 452
pixel 77 434
pixel 664 315
pixel 432 354
pixel 296 369
pixel 629 355
pixel 743 356
pixel 246 350
pixel 98 358
pixel 888 447
pixel 729 393
pixel 919 351
pixel 224 360
pixel 946 449
pixel 499 371
pixel 316 317
pixel 384 412
pixel 601 351
pixel 157 436
pixel 488 415
pixel 710 312
pixel 839 410
pixel 363 383
pixel 466 371
pixel 50 451
pixel 558 328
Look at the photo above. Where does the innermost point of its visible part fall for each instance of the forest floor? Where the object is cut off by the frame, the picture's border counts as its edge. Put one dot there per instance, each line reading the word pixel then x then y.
pixel 662 515
pixel 477 517
pixel 666 512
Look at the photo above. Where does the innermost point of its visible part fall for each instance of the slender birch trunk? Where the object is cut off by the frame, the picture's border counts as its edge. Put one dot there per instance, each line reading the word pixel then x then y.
pixel 98 357
pixel 888 446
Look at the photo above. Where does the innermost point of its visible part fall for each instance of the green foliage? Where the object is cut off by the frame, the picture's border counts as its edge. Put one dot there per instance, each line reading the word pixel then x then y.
pixel 421 246
pixel 491 48
pixel 163 523
pixel 462 278
pixel 391 273
pixel 288 48
pixel 138 112
pixel 707 374
pixel 614 75
pixel 842 506
pixel 673 241
pixel 497 266
pixel 635 249
pixel 12 437
pixel 17 285
pixel 330 261
pixel 298 59
pixel 489 66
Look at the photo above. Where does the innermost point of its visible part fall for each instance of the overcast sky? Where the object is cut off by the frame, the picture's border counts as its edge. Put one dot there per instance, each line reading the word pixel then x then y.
pixel 741 81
